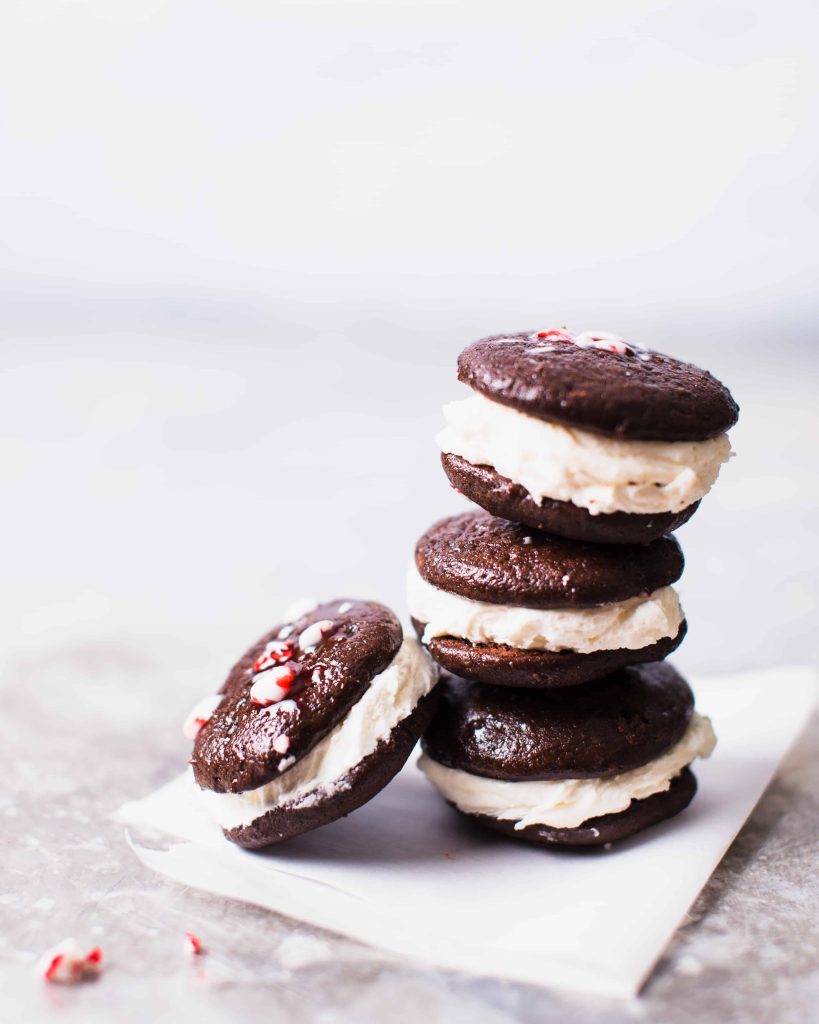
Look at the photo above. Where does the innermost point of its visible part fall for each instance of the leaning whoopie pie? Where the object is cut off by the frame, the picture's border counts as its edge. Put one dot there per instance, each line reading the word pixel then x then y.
pixel 580 766
pixel 585 435
pixel 503 604
pixel 312 721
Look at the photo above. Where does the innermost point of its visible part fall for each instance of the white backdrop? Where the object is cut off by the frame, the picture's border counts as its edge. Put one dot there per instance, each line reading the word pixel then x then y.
pixel 242 244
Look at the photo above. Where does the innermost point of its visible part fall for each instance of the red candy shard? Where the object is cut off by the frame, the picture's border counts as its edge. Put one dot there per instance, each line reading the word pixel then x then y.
pixel 201 712
pixel 193 944
pixel 277 652
pixel 560 335
pixel 66 964
pixel 272 685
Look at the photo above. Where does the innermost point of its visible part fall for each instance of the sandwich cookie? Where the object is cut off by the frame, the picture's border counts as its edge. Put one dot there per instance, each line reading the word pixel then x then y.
pixel 312 722
pixel 585 436
pixel 497 602
pixel 579 767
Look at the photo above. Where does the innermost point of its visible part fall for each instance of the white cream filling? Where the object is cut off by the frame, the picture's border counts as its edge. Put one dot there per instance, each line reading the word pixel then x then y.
pixel 631 624
pixel 391 697
pixel 597 473
pixel 567 803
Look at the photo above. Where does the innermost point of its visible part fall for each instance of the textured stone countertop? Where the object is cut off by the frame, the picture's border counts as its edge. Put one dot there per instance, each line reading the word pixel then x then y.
pixel 172 516
pixel 747 953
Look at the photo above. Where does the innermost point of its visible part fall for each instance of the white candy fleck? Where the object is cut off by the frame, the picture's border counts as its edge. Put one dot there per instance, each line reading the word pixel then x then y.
pixel 285 763
pixel 565 579
pixel 285 632
pixel 345 606
pixel 282 705
pixel 603 339
pixel 271 686
pixel 201 713
pixel 310 637
pixel 281 744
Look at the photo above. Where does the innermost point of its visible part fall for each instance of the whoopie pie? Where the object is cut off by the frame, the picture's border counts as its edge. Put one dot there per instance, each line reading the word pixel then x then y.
pixel 585 436
pixel 580 766
pixel 312 721
pixel 501 603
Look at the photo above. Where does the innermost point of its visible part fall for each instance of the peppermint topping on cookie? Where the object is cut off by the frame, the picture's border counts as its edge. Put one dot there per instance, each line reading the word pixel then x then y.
pixel 273 684
pixel 557 334
pixel 199 714
pixel 604 340
pixel 66 964
pixel 281 707
pixel 277 652
pixel 192 944
pixel 313 634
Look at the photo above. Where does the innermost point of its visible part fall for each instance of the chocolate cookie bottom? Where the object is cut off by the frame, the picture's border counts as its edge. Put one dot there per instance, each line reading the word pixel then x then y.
pixel 500 665
pixel 350 792
pixel 608 828
pixel 502 497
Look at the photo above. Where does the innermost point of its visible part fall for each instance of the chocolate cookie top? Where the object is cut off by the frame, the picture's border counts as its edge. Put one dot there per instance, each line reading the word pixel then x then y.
pixel 289 690
pixel 620 722
pixel 488 559
pixel 599 383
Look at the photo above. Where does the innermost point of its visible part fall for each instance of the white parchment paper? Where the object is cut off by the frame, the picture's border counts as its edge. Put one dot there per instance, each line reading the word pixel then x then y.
pixel 407 874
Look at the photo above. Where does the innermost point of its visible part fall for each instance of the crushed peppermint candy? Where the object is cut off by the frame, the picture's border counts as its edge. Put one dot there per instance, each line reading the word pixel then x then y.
pixel 556 335
pixel 193 944
pixel 67 964
pixel 281 744
pixel 345 606
pixel 277 652
pixel 286 763
pixel 200 713
pixel 285 632
pixel 313 634
pixel 604 340
pixel 273 684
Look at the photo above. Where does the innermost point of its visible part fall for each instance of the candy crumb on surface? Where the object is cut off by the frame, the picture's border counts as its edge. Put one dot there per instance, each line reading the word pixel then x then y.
pixel 67 964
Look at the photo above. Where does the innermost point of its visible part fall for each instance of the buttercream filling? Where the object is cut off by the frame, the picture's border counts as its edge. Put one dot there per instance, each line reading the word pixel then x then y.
pixel 600 474
pixel 631 625
pixel 567 803
pixel 390 698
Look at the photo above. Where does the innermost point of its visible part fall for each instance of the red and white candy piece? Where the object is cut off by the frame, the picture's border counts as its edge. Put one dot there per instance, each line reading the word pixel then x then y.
pixel 67 964
pixel 193 944
pixel 312 635
pixel 605 340
pixel 201 713
pixel 555 335
pixel 588 339
pixel 277 652
pixel 272 685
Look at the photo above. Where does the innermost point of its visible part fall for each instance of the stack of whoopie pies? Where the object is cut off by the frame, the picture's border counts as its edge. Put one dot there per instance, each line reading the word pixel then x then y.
pixel 552 608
